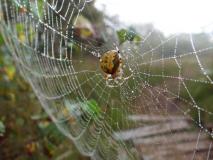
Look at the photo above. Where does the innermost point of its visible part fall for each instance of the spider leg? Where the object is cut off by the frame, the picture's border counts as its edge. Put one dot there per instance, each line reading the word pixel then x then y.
pixel 106 76
pixel 120 61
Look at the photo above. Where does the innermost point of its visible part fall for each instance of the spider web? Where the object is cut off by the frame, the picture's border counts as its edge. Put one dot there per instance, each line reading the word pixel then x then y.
pixel 152 111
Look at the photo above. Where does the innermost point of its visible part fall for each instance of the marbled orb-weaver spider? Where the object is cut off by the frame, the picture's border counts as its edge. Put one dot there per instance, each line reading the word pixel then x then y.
pixel 111 64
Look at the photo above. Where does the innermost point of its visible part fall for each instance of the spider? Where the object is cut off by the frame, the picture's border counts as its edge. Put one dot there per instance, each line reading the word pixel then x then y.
pixel 111 64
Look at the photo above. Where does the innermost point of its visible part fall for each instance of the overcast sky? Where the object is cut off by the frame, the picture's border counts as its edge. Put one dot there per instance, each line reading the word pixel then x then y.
pixel 170 16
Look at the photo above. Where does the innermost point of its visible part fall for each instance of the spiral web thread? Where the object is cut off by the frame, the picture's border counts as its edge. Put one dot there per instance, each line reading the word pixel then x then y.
pixel 95 113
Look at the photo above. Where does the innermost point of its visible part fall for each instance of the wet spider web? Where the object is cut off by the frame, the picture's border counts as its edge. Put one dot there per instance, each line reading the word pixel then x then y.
pixel 150 107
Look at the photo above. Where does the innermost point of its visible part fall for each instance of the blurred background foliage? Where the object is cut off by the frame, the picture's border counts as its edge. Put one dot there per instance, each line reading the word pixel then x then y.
pixel 26 132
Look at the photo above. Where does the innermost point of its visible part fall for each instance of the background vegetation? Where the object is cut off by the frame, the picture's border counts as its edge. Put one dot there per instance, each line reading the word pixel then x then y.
pixel 26 132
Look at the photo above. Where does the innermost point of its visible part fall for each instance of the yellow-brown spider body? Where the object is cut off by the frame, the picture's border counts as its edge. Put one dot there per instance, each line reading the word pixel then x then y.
pixel 110 63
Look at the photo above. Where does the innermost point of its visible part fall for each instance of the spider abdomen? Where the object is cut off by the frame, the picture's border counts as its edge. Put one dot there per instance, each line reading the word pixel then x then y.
pixel 110 62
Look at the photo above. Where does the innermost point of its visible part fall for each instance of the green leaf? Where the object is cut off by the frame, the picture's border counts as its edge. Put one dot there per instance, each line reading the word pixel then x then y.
pixel 93 108
pixel 128 35
pixel 137 39
pixel 122 35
